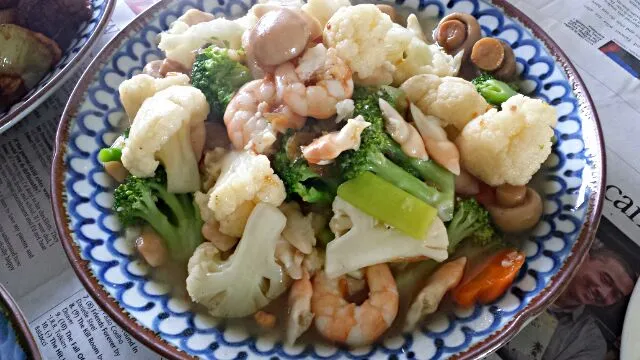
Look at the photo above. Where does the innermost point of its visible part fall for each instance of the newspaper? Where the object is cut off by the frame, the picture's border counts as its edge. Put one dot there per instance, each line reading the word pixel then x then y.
pixel 601 37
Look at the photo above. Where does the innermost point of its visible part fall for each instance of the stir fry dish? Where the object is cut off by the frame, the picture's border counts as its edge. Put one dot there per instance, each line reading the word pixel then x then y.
pixel 33 37
pixel 327 169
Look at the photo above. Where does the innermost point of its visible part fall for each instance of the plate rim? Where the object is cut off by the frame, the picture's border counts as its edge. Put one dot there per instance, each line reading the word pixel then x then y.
pixel 20 325
pixel 537 304
pixel 13 117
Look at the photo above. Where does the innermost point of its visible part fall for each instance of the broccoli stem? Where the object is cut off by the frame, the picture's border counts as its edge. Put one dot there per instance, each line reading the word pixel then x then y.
pixel 386 169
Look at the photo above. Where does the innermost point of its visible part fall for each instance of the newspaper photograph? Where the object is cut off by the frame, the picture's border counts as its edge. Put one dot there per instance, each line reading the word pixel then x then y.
pixel 601 38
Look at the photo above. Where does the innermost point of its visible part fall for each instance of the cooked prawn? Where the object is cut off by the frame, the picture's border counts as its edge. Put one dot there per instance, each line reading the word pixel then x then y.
pixel 300 315
pixel 329 78
pixel 402 132
pixel 327 147
pixel 438 145
pixel 344 322
pixel 445 278
pixel 253 116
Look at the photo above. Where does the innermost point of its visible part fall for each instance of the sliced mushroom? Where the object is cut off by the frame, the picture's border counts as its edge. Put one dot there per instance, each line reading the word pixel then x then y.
pixel 519 218
pixel 457 32
pixel 151 246
pixel 494 56
pixel 116 170
pixel 509 196
pixel 389 10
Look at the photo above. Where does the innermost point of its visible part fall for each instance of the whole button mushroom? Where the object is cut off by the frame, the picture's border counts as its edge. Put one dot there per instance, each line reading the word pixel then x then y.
pixel 494 56
pixel 457 32
pixel 518 208
pixel 279 36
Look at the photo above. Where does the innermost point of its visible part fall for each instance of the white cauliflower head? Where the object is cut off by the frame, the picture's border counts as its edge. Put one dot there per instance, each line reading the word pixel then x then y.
pixel 134 91
pixel 508 146
pixel 421 58
pixel 363 241
pixel 250 278
pixel 161 133
pixel 323 10
pixel 453 100
pixel 368 41
pixel 181 41
pixel 245 180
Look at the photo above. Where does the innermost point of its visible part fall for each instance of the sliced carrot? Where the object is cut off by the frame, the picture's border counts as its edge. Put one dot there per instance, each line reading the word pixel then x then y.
pixel 492 281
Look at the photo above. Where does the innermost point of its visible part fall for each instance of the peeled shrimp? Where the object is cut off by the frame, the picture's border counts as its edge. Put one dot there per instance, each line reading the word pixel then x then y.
pixel 443 151
pixel 300 315
pixel 253 117
pixel 316 85
pixel 402 132
pixel 445 278
pixel 327 147
pixel 344 322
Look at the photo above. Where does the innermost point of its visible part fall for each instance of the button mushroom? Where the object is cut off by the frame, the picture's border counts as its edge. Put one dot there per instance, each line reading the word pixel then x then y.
pixel 518 208
pixel 494 56
pixel 151 246
pixel 389 10
pixel 160 68
pixel 457 32
pixel 279 36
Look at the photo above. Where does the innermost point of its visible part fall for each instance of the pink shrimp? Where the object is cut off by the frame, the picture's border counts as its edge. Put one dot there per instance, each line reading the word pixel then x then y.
pixel 443 151
pixel 253 117
pixel 316 85
pixel 344 322
pixel 300 315
pixel 324 149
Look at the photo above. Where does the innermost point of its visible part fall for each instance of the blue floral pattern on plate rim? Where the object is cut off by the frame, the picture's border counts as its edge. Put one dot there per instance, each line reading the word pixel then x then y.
pixel 16 341
pixel 571 183
pixel 71 58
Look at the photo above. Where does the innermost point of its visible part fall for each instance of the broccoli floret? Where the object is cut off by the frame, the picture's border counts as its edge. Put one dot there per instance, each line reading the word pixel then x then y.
pixel 175 217
pixel 494 91
pixel 298 178
pixel 471 220
pixel 380 154
pixel 218 77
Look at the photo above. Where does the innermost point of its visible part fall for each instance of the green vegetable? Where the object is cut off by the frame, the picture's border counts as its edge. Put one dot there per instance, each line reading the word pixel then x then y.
pixel 494 91
pixel 389 204
pixel 471 220
pixel 218 77
pixel 325 236
pixel 378 153
pixel 109 154
pixel 298 178
pixel 174 217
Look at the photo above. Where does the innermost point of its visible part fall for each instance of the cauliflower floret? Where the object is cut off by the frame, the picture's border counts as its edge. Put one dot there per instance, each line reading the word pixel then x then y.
pixel 363 241
pixel 181 41
pixel 322 10
pixel 212 167
pixel 421 58
pixel 236 287
pixel 245 180
pixel 344 110
pixel 508 146
pixel 451 99
pixel 299 231
pixel 134 91
pixel 368 41
pixel 161 133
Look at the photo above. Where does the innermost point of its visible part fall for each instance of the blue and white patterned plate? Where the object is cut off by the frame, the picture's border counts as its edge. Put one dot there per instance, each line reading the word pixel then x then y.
pixel 71 58
pixel 571 184
pixel 16 341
